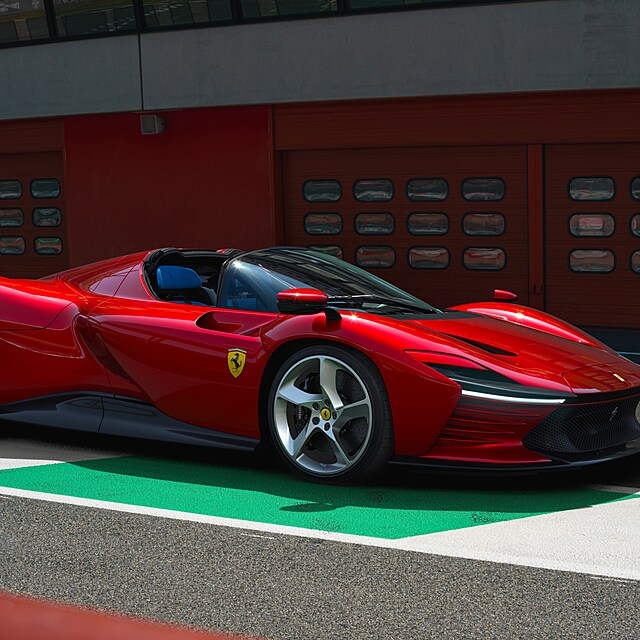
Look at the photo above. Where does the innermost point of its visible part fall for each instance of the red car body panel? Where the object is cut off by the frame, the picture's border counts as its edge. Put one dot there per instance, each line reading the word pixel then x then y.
pixel 99 329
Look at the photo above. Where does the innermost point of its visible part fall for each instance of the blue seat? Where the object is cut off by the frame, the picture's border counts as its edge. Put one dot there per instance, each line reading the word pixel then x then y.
pixel 184 285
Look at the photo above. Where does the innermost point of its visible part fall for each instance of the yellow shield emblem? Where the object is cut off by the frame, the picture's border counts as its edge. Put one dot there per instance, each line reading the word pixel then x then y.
pixel 236 359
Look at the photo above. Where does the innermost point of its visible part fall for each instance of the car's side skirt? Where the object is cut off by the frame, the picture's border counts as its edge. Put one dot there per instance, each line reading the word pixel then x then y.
pixel 103 413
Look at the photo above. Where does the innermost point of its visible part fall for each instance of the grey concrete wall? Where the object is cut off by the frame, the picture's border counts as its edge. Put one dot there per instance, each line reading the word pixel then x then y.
pixel 549 45
pixel 84 76
pixel 533 46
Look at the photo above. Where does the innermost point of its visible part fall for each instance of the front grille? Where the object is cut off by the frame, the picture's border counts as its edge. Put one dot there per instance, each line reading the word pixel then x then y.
pixel 583 430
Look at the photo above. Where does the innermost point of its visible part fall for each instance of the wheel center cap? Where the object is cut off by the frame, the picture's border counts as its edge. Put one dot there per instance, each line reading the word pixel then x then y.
pixel 325 414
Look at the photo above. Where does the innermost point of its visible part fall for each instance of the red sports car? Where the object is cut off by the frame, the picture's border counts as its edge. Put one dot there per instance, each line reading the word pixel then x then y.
pixel 338 369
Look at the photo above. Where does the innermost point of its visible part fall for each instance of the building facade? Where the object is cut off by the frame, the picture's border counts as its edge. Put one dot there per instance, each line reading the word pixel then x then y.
pixel 451 147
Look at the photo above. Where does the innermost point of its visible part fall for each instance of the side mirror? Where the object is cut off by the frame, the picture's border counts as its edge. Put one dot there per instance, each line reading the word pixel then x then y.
pixel 301 301
pixel 504 296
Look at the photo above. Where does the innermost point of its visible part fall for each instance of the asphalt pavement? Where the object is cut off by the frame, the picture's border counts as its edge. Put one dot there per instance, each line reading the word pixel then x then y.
pixel 265 583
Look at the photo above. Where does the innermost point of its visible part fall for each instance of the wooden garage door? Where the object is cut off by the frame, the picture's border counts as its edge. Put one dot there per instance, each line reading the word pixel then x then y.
pixel 593 234
pixel 448 224
pixel 32 215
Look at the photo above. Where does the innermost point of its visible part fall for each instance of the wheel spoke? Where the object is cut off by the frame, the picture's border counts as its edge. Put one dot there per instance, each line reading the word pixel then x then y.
pixel 296 396
pixel 328 382
pixel 295 445
pixel 359 409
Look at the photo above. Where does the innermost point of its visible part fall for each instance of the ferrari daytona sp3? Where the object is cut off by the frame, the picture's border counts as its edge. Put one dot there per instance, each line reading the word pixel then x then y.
pixel 337 369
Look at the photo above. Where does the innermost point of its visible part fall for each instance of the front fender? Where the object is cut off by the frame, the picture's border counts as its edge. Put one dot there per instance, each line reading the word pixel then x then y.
pixel 421 399
pixel 533 319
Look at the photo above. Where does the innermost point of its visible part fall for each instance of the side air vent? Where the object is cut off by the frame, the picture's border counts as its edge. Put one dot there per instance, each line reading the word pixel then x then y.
pixel 485 347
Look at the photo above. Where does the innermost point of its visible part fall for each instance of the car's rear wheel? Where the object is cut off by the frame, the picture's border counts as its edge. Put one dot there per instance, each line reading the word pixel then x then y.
pixel 329 415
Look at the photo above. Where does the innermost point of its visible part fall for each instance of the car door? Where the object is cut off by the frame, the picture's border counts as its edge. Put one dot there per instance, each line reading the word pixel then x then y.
pixel 200 365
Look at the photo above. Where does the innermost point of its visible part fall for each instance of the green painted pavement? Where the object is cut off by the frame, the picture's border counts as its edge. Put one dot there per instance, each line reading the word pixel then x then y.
pixel 278 498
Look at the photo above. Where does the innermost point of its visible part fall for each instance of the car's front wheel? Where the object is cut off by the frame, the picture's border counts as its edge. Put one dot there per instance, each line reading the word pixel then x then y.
pixel 329 415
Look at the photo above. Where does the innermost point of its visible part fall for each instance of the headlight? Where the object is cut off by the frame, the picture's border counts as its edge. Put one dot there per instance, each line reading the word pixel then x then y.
pixel 477 381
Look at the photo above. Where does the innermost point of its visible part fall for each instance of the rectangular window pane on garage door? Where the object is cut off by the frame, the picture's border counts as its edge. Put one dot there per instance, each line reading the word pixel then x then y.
pixel 11 218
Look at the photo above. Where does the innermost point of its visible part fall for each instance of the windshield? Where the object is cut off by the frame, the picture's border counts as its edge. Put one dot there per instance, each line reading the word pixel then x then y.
pixel 252 280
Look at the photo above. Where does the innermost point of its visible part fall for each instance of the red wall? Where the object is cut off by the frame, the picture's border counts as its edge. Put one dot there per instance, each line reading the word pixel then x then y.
pixel 206 181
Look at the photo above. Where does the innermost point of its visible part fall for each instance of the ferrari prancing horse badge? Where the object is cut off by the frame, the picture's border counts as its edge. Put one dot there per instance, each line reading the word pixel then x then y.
pixel 235 360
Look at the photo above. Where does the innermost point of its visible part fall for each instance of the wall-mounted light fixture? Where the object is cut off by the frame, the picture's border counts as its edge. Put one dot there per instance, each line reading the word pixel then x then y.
pixel 151 125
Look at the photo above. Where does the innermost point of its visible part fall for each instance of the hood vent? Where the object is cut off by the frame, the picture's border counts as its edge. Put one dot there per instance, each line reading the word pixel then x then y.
pixel 485 347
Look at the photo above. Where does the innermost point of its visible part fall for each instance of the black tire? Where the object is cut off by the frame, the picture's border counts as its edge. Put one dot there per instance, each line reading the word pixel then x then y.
pixel 358 376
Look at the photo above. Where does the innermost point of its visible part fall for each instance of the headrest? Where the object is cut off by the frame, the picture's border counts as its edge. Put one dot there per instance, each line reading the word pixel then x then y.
pixel 170 277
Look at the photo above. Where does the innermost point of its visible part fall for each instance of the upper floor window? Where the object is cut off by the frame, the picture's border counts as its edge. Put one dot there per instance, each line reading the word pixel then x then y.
pixel 22 20
pixel 378 190
pixel 592 188
pixel 322 191
pixel 10 189
pixel 427 189
pixel 87 17
pixel 273 8
pixel 165 13
pixel 483 189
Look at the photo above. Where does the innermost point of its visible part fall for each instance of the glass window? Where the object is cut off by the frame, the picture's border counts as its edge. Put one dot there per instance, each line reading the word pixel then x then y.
pixel 428 224
pixel 485 258
pixel 592 225
pixel 330 249
pixel 635 188
pixel 372 257
pixel 45 188
pixel 479 189
pixel 635 261
pixel 12 245
pixel 373 190
pixel 483 224
pixel 10 189
pixel 323 224
pixel 87 17
pixel 427 189
pixel 22 20
pixel 11 218
pixel 429 257
pixel 374 224
pixel 635 225
pixel 48 246
pixel 269 8
pixel 322 191
pixel 592 260
pixel 47 217
pixel 592 188
pixel 166 13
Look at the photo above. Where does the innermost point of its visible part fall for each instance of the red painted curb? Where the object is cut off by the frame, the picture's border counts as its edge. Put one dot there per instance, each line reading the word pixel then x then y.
pixel 29 619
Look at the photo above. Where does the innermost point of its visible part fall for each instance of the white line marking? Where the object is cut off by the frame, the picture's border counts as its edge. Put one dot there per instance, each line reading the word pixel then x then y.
pixel 587 540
